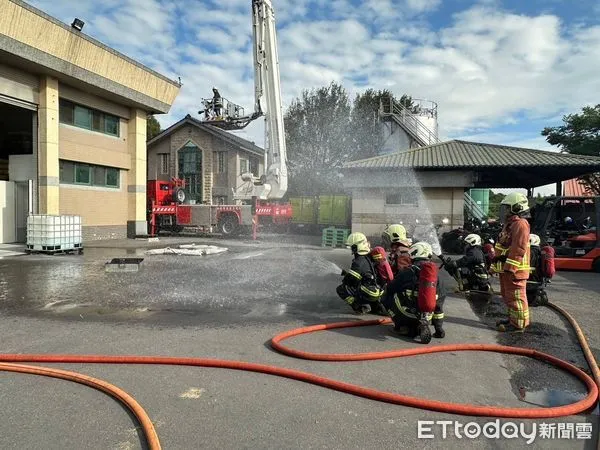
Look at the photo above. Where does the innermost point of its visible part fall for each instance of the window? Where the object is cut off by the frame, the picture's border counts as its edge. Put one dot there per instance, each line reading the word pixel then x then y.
pixel 219 200
pixel 87 118
pixel 406 196
pixel 164 162
pixel 82 174
pixel 219 162
pixel 71 172
pixel 243 165
pixel 254 166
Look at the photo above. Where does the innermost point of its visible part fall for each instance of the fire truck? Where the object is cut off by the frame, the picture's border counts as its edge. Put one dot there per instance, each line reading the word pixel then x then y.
pixel 258 199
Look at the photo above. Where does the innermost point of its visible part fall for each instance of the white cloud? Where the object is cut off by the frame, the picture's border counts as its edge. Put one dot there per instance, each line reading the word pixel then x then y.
pixel 488 67
pixel 423 5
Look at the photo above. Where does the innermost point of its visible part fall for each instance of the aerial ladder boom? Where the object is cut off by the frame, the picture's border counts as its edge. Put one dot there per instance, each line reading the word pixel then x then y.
pixel 267 95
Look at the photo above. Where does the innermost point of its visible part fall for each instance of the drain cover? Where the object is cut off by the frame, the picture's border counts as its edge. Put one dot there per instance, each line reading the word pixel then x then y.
pixel 123 265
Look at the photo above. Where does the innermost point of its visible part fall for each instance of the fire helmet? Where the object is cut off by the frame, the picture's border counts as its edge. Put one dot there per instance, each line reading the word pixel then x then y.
pixel 421 250
pixel 534 240
pixel 516 202
pixel 358 243
pixel 473 239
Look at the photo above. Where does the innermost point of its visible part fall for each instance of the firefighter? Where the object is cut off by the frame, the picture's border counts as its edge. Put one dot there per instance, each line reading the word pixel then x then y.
pixel 217 102
pixel 470 271
pixel 359 287
pixel 402 299
pixel 536 292
pixel 395 241
pixel 511 262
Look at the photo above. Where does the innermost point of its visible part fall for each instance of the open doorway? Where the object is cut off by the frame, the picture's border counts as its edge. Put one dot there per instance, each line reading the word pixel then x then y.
pixel 18 170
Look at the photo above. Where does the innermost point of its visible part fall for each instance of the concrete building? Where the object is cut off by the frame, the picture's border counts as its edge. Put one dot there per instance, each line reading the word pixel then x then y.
pixel 429 184
pixel 208 158
pixel 72 126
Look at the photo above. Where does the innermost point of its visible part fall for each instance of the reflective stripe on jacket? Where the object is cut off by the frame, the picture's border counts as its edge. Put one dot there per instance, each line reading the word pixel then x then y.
pixel 513 245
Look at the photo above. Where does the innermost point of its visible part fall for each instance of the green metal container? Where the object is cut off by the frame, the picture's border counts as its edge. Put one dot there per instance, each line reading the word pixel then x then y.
pixel 303 210
pixel 334 210
pixel 482 198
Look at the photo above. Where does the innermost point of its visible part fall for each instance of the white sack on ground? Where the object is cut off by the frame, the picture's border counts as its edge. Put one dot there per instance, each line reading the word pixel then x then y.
pixel 188 249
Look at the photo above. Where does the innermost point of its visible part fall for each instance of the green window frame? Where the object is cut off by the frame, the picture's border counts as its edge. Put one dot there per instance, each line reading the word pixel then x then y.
pixel 71 172
pixel 80 116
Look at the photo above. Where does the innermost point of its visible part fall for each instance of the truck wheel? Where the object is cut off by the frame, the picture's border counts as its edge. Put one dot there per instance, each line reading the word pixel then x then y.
pixel 596 265
pixel 179 196
pixel 228 225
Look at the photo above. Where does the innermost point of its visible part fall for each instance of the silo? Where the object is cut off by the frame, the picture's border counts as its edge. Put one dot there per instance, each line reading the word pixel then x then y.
pixel 407 128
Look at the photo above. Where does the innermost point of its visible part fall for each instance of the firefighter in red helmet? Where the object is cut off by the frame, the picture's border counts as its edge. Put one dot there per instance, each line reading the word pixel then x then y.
pixel 511 262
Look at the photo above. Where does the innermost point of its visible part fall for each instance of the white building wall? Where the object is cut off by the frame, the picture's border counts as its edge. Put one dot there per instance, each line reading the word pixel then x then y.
pixel 7 213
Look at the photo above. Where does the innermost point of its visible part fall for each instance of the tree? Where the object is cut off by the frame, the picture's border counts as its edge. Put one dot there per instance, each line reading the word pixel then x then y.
pixel 579 135
pixel 494 202
pixel 317 139
pixel 324 130
pixel 152 127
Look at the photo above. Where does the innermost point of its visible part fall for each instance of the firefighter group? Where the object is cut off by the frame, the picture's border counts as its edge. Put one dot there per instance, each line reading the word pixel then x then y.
pixel 400 279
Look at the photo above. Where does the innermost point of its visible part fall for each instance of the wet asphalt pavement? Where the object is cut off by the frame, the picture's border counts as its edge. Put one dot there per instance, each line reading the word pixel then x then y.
pixel 229 306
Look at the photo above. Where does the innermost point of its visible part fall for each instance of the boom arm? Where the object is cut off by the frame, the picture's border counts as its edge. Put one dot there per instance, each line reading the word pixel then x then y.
pixel 267 94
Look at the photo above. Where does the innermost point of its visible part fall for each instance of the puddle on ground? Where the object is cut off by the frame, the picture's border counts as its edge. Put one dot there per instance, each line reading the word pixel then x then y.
pixel 552 397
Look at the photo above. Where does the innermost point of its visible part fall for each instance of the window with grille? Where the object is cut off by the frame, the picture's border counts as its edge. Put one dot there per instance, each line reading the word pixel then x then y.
pixel 405 196
pixel 164 163
pixel 219 162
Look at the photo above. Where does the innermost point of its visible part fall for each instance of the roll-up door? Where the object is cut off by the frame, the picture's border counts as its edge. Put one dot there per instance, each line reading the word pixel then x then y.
pixel 19 88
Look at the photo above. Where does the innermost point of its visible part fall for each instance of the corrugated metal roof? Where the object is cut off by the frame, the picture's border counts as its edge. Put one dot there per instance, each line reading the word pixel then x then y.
pixel 573 188
pixel 457 154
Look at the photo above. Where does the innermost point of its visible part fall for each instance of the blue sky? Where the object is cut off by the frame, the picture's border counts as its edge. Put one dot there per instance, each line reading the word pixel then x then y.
pixel 500 70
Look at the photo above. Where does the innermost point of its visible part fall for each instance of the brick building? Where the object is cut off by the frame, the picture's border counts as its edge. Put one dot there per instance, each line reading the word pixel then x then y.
pixel 208 158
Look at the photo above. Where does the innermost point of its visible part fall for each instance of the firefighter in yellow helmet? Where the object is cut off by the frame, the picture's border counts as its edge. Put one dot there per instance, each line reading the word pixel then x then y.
pixel 397 245
pixel 511 261
pixel 359 287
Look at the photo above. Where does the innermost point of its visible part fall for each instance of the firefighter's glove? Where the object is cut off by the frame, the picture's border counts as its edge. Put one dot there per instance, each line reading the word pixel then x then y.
pixel 344 272
pixel 502 259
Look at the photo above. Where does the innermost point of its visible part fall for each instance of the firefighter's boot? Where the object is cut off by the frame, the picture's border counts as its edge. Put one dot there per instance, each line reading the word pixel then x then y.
pixel 439 332
pixel 423 328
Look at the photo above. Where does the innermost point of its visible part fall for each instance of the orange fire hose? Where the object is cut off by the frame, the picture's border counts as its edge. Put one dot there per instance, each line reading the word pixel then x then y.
pixel 453 408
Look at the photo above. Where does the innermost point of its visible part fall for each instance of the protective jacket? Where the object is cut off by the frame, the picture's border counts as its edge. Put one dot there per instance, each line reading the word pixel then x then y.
pixel 363 277
pixel 473 257
pixel 401 297
pixel 512 249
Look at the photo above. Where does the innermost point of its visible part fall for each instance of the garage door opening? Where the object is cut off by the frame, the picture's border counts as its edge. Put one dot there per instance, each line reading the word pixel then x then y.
pixel 18 170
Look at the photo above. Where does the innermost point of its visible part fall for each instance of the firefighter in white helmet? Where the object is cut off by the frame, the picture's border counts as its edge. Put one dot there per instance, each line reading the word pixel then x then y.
pixel 511 262
pixel 402 298
pixel 470 271
pixel 359 287
pixel 397 245
pixel 536 292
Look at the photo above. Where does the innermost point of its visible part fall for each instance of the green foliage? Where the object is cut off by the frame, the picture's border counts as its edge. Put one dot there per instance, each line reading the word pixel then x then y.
pixel 152 127
pixel 495 199
pixel 579 135
pixel 324 129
